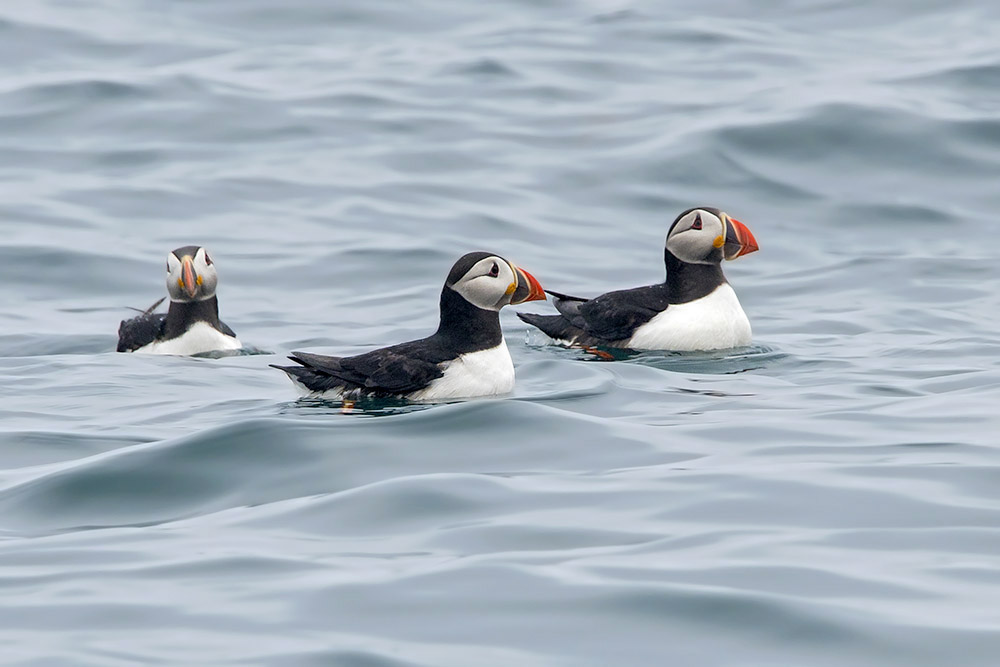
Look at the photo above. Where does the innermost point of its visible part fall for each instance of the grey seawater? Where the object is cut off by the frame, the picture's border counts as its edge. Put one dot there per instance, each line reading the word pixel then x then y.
pixel 829 496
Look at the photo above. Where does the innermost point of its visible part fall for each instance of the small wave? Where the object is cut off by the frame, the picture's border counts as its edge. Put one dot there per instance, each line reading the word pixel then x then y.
pixel 482 68
pixel 981 77
pixel 265 460
pixel 43 345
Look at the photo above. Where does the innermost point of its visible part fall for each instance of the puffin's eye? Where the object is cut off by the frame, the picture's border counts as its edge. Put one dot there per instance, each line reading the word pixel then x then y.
pixel 208 260
pixel 697 222
pixel 495 271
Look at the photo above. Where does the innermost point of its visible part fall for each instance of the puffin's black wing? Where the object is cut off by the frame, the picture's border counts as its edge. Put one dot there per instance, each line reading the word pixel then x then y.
pixel 616 315
pixel 141 330
pixel 390 371
pixel 224 328
pixel 606 319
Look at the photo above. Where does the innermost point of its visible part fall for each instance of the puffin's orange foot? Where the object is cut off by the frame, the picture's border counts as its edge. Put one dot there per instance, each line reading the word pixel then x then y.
pixel 607 356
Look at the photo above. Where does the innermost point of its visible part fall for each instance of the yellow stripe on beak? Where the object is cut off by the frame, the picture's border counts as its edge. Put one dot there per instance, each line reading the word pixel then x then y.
pixel 513 286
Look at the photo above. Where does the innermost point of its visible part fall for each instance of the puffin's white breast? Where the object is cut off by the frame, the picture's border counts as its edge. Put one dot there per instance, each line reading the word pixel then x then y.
pixel 200 338
pixel 483 373
pixel 716 321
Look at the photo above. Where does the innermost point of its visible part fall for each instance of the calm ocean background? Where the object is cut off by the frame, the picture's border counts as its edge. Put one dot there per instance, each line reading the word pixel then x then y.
pixel 830 496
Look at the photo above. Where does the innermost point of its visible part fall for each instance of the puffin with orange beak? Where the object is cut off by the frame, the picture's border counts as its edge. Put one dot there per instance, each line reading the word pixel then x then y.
pixel 466 357
pixel 191 325
pixel 693 309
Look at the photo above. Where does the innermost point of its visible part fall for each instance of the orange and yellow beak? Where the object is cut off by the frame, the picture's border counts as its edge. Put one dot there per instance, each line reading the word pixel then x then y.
pixel 739 239
pixel 526 287
pixel 189 280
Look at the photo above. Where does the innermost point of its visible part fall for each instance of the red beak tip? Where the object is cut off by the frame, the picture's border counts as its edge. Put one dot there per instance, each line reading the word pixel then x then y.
pixel 747 240
pixel 536 292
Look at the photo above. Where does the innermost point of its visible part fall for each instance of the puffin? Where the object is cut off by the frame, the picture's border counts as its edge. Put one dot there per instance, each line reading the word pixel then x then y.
pixel 466 357
pixel 694 309
pixel 191 325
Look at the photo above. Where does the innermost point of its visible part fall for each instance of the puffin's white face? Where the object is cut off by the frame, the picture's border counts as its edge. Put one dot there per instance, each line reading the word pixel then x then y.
pixel 708 236
pixel 488 284
pixel 492 283
pixel 191 275
pixel 697 237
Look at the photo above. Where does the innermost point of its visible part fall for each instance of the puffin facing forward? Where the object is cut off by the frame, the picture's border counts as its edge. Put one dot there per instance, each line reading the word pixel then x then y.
pixel 694 309
pixel 191 324
pixel 466 357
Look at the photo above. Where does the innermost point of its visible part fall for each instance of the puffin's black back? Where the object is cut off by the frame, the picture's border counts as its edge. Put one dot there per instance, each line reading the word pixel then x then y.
pixel 140 331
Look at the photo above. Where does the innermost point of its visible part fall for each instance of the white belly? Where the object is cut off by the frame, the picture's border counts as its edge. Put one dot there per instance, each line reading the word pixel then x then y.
pixel 199 339
pixel 483 373
pixel 714 322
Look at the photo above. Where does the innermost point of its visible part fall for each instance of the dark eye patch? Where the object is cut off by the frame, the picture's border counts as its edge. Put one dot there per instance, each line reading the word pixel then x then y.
pixel 697 222
pixel 495 271
pixel 208 260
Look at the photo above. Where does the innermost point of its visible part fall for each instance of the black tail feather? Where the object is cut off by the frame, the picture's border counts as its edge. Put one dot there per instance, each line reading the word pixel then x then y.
pixel 553 326
pixel 291 370
pixel 564 297
pixel 315 372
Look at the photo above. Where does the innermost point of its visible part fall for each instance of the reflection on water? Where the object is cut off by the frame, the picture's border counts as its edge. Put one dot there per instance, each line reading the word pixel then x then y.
pixel 361 407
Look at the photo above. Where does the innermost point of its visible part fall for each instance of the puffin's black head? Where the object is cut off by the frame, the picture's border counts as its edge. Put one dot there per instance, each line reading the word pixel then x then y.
pixel 491 282
pixel 191 274
pixel 707 235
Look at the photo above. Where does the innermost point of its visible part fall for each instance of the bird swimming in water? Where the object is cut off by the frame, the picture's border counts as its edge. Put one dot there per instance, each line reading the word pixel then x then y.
pixel 693 309
pixel 191 324
pixel 466 357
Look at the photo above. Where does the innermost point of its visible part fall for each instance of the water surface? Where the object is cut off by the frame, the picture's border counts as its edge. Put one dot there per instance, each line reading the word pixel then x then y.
pixel 829 496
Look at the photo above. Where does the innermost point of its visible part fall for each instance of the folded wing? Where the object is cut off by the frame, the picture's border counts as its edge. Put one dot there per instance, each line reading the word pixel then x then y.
pixel 141 330
pixel 385 372
pixel 607 319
